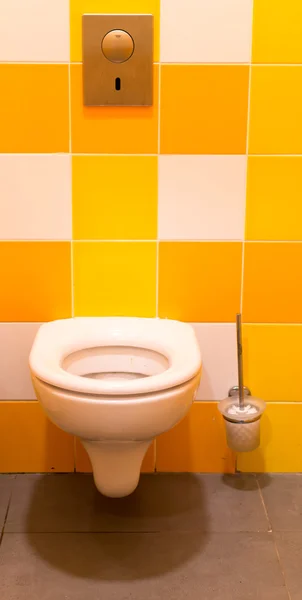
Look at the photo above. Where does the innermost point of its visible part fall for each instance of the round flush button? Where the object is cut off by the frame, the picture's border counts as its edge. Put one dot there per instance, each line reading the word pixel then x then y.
pixel 117 46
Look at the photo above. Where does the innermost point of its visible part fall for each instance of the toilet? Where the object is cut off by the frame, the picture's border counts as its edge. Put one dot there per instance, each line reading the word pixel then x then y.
pixel 116 383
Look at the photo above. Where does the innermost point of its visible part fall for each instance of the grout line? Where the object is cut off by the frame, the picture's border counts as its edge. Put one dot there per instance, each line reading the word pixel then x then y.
pixel 198 63
pixel 170 63
pixel 158 153
pixel 70 153
pixel 273 241
pixel 210 323
pixel 81 154
pixel 276 155
pixel 72 278
pixel 172 240
pixel 13 154
pixel 98 531
pixel 6 514
pixel 111 154
pixel 281 567
pixel 69 107
pixel 244 212
pixel 33 240
pixel 74 454
pixel 270 529
pixel 34 62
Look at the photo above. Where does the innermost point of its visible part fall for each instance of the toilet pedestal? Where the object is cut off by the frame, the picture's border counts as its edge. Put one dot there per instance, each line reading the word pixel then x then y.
pixel 116 465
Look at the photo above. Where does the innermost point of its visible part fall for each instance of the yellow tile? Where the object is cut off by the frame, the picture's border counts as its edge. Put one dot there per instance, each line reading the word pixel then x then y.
pixel 203 109
pixel 199 281
pixel 272 291
pixel 196 444
pixel 277 31
pixel 80 7
pixel 30 443
pixel 35 281
pixel 272 361
pixel 34 108
pixel 114 278
pixel 83 464
pixel 281 442
pixel 274 192
pixel 111 129
pixel 111 199
pixel 275 113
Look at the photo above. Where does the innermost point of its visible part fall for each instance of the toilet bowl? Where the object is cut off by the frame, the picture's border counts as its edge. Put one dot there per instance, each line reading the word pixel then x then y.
pixel 116 383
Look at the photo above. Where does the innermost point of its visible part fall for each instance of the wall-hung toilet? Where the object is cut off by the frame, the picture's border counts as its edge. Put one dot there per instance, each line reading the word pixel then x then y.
pixel 116 383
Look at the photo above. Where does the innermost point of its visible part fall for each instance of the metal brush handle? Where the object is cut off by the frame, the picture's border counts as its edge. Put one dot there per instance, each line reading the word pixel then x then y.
pixel 240 360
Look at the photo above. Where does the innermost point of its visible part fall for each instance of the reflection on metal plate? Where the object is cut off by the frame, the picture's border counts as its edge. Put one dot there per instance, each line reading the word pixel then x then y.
pixel 117 60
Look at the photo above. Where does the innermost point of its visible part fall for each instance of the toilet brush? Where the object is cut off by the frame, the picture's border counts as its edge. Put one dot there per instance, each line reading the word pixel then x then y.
pixel 241 411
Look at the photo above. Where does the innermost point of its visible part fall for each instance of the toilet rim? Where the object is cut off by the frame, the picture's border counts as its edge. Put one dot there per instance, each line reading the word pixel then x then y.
pixel 174 340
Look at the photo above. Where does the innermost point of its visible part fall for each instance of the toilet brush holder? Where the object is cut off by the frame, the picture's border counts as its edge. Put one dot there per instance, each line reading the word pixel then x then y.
pixel 242 422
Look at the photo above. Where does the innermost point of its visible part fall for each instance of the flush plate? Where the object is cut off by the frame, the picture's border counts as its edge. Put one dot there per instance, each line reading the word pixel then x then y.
pixel 117 60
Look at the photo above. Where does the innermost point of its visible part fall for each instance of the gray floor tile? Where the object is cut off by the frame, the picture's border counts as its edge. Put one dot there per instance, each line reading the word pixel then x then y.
pixel 5 492
pixel 282 494
pixel 289 545
pixel 179 502
pixel 154 566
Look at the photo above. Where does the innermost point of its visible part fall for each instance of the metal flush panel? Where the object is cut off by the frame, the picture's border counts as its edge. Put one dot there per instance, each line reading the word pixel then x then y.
pixel 118 60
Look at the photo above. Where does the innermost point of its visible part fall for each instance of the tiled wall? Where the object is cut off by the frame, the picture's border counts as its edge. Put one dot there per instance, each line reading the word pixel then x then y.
pixel 190 209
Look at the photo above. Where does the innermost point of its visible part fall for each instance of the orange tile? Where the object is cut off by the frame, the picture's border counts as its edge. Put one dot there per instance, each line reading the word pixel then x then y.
pixel 132 210
pixel 196 444
pixel 114 278
pixel 82 460
pixel 272 283
pixel 274 192
pixel 30 443
pixel 277 31
pixel 80 7
pixel 275 111
pixel 203 109
pixel 35 281
pixel 199 281
pixel 34 108
pixel 83 464
pixel 112 130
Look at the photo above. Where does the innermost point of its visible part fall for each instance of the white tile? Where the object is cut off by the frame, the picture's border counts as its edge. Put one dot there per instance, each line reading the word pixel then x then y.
pixel 35 194
pixel 217 343
pixel 16 340
pixel 201 197
pixel 34 30
pixel 206 31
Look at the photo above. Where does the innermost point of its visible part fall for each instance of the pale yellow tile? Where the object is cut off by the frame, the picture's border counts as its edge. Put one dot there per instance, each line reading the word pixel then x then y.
pixel 272 361
pixel 275 110
pixel 114 197
pixel 277 31
pixel 274 192
pixel 281 442
pixel 114 278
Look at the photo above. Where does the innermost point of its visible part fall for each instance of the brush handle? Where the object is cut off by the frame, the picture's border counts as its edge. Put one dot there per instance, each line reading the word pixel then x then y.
pixel 240 360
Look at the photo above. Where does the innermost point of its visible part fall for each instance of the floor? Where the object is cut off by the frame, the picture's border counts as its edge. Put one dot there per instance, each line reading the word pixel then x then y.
pixel 178 537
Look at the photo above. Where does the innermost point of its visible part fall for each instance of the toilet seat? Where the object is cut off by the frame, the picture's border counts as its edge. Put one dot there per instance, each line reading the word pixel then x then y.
pixel 172 340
